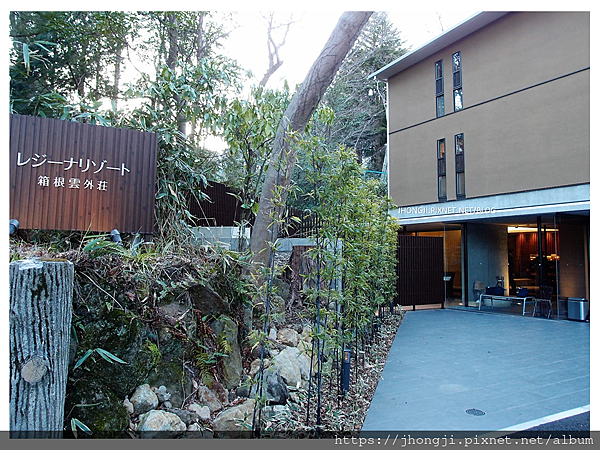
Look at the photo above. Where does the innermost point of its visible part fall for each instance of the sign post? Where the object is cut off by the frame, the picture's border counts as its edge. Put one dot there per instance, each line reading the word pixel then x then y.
pixel 41 293
pixel 73 176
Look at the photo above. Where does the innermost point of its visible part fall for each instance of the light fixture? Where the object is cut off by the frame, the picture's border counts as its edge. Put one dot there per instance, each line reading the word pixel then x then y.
pixel 115 236
pixel 526 229
pixel 13 225
pixel 346 370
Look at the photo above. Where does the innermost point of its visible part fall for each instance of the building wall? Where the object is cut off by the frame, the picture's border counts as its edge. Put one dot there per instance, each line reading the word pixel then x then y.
pixel 526 116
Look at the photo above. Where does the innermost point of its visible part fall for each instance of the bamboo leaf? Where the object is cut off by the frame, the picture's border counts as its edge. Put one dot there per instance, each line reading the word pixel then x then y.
pixel 76 423
pixel 109 356
pixel 83 358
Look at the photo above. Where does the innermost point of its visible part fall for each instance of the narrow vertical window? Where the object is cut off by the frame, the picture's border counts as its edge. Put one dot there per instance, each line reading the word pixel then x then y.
pixel 459 142
pixel 457 81
pixel 439 89
pixel 441 169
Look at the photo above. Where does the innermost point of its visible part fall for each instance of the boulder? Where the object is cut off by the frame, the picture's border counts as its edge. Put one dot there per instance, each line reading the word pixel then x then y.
pixel 255 366
pixel 293 366
pixel 143 399
pixel 272 334
pixel 244 389
pixel 287 336
pixel 207 301
pixel 206 397
pixel 156 424
pixel 109 418
pixel 162 394
pixel 276 412
pixel 274 389
pixel 128 405
pixel 305 346
pixel 187 417
pixel 195 431
pixel 203 412
pixel 220 392
pixel 226 328
pixel 235 421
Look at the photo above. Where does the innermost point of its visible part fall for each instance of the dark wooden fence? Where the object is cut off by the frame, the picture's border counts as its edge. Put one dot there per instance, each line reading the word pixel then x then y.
pixel 220 209
pixel 420 271
pixel 223 209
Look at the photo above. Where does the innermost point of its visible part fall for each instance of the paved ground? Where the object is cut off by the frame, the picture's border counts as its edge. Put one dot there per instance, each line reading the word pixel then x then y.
pixel 520 371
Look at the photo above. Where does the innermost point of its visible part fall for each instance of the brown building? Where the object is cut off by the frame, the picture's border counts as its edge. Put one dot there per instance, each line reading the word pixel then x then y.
pixel 489 148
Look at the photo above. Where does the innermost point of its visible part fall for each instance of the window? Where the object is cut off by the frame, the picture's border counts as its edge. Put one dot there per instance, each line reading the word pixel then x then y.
pixel 459 142
pixel 457 81
pixel 441 169
pixel 439 88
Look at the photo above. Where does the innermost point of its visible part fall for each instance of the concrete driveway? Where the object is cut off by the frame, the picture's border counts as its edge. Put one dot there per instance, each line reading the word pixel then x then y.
pixel 509 372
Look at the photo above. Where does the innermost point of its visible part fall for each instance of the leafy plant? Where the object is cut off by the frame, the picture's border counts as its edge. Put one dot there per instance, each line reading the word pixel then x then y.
pixel 76 423
pixel 106 355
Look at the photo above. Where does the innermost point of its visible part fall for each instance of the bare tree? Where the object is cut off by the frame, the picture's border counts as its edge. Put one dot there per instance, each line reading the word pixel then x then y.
pixel 295 119
pixel 275 60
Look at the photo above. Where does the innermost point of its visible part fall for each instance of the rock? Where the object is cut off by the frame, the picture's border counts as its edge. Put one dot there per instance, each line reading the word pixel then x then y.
pixel 220 392
pixel 272 334
pixel 162 394
pixel 276 412
pixel 305 346
pixel 168 404
pixel 306 330
pixel 187 417
pixel 235 421
pixel 274 390
pixel 203 412
pixel 277 309
pixel 245 387
pixel 143 399
pixel 156 424
pixel 282 288
pixel 256 351
pixel 287 336
pixel 255 366
pixel 108 418
pixel 170 374
pixel 293 366
pixel 207 301
pixel 178 313
pixel 226 328
pixel 304 364
pixel 206 397
pixel 128 405
pixel 195 431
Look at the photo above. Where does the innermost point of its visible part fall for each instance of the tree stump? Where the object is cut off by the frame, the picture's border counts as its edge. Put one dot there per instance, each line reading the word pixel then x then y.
pixel 41 292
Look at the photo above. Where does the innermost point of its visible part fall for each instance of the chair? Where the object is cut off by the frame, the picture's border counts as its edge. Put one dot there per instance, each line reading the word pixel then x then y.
pixel 545 298
pixel 478 289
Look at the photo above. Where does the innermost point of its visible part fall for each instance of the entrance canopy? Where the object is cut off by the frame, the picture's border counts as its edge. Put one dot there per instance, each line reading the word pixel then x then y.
pixel 564 199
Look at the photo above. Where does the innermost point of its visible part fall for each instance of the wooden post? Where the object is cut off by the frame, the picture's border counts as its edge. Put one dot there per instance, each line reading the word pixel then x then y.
pixel 41 292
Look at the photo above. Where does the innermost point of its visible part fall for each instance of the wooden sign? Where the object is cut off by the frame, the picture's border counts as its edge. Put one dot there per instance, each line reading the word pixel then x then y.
pixel 73 176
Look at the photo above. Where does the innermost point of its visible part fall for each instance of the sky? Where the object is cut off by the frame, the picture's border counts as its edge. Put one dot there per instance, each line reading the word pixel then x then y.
pixel 247 43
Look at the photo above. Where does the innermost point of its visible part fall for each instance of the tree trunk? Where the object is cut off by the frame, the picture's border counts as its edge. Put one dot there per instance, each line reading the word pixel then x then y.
pixel 173 34
pixel 40 328
pixel 296 117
